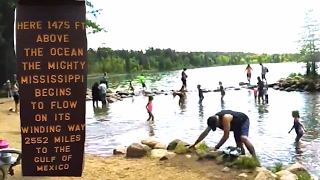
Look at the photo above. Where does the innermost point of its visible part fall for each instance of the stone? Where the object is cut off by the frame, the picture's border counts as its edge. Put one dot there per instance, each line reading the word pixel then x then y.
pixel 298 169
pixel 265 175
pixel 136 150
pixel 147 148
pixel 120 150
pixel 151 142
pixel 213 154
pixel 225 169
pixel 158 153
pixel 111 99
pixel 172 145
pixel 244 175
pixel 286 175
pixel 201 154
pixel 122 93
pixel 160 146
pixel 181 148
pixel 188 156
pixel 168 155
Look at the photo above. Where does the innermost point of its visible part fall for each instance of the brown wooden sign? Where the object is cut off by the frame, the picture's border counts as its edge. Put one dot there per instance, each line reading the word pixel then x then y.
pixel 51 48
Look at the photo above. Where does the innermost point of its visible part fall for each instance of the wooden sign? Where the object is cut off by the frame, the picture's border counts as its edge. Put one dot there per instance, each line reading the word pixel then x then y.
pixel 51 48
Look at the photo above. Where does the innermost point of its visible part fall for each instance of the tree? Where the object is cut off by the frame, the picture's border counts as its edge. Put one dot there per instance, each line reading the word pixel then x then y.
pixel 8 64
pixel 154 59
pixel 310 42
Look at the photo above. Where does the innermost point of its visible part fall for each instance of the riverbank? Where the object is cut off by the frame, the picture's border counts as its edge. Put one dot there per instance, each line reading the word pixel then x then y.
pixel 298 83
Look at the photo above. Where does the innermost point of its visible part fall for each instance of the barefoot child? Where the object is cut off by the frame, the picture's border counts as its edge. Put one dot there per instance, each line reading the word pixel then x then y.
pixel 298 127
pixel 222 90
pixel 200 94
pixel 149 109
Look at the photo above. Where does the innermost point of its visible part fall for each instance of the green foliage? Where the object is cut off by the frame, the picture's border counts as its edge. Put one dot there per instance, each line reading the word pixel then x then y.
pixel 246 162
pixel 277 167
pixel 203 146
pixel 303 176
pixel 181 148
pixel 124 61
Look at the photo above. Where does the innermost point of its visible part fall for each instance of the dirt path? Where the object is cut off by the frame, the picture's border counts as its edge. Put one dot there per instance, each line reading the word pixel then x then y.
pixel 113 168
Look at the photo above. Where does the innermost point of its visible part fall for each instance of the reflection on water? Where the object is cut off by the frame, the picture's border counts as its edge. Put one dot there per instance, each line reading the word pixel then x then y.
pixel 124 122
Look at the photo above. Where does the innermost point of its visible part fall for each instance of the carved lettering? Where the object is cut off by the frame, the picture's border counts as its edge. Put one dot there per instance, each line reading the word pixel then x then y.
pixel 29 25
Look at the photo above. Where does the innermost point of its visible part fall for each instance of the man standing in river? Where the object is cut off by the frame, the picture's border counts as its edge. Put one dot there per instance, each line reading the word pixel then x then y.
pixel 228 120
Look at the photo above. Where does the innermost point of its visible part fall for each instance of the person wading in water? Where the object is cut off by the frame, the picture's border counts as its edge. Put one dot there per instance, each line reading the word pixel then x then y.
pixel 228 120
pixel 184 78
pixel 248 69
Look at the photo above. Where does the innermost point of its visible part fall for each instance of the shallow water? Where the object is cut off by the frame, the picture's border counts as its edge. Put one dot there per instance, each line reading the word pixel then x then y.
pixel 124 122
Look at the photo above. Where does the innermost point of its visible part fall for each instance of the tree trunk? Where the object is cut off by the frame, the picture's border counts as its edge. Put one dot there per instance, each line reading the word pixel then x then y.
pixel 8 65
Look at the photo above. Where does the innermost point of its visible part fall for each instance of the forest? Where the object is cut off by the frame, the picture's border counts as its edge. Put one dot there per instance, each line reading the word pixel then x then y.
pixel 129 61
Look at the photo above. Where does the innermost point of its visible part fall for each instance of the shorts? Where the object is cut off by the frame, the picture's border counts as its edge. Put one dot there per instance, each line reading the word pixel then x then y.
pixel 143 85
pixel 103 97
pixel 260 93
pixel 242 131
pixel 248 75
pixel 263 76
pixel 184 82
pixel 16 99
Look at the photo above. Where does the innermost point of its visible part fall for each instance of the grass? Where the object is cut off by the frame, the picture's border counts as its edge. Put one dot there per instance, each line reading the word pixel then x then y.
pixel 277 167
pixel 246 162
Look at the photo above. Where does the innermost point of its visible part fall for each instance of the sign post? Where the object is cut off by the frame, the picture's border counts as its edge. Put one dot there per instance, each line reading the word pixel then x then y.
pixel 51 48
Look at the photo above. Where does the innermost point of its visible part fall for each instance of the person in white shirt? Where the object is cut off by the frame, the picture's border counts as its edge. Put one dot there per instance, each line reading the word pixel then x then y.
pixel 103 92
pixel 264 71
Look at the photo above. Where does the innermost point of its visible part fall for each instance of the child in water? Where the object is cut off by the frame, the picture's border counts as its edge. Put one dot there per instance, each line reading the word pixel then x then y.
pixel 200 94
pixel 182 95
pixel 149 108
pixel 255 93
pixel 222 90
pixel 131 88
pixel 297 126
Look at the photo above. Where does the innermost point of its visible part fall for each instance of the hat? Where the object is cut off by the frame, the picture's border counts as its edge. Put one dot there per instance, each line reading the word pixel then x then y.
pixel 8 81
pixel 212 122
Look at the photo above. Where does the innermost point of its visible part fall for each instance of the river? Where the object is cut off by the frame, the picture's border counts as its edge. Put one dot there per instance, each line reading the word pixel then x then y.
pixel 124 122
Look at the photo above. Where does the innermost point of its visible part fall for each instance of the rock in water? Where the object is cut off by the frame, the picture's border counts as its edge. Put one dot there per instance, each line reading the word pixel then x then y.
pixel 136 150
pixel 151 142
pixel 160 146
pixel 173 144
pixel 181 148
pixel 298 169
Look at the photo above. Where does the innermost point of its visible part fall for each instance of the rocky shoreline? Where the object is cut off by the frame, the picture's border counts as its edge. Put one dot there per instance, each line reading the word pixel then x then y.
pixel 297 83
pixel 120 95
pixel 153 148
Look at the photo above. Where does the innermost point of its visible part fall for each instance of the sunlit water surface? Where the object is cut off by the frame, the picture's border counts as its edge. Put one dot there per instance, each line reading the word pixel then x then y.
pixel 124 122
